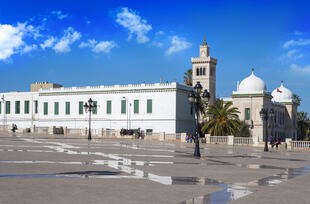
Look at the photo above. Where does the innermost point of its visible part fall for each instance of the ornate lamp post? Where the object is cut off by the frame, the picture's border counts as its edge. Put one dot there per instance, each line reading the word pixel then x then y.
pixel 265 115
pixel 89 106
pixel 195 99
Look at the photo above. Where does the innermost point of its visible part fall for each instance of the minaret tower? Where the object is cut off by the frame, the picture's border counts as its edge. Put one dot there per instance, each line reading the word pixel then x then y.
pixel 204 70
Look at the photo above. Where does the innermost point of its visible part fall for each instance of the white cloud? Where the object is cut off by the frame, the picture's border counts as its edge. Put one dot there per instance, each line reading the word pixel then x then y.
pixel 28 48
pixel 159 32
pixel 59 14
pixel 70 36
pixel 88 22
pixel 133 22
pixel 89 43
pixel 48 43
pixel 296 69
pixel 177 44
pixel 299 42
pixel 157 44
pixel 11 39
pixel 291 55
pixel 33 31
pixel 104 46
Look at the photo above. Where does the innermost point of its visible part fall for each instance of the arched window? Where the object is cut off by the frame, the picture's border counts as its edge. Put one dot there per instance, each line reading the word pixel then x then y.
pixel 197 71
pixel 204 71
pixel 201 71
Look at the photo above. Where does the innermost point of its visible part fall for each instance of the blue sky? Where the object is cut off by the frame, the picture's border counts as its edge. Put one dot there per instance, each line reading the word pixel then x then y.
pixel 79 43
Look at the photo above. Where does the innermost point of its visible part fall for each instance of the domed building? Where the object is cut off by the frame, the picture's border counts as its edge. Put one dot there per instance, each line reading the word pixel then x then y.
pixel 252 96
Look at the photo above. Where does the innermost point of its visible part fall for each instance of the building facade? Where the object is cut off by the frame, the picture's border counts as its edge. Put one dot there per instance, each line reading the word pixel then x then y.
pixel 252 96
pixel 159 107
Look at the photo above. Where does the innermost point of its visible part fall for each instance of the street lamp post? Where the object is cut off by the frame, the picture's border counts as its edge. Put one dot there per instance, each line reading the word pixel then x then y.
pixel 265 116
pixel 89 106
pixel 195 100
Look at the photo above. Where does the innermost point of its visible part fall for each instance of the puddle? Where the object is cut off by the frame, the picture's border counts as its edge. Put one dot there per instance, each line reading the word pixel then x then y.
pixel 232 192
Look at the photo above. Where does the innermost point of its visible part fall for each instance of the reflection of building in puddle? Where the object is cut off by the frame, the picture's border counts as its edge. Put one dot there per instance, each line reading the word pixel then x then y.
pixel 238 191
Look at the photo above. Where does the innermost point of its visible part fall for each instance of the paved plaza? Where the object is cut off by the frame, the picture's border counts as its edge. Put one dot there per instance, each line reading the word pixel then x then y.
pixel 47 169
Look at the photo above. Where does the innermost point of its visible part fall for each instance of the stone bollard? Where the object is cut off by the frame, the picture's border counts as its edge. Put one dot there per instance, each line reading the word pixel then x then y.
pixel 33 129
pixel 183 137
pixel 288 143
pixel 230 140
pixel 162 136
pixel 51 130
pixel 100 132
pixel 255 141
pixel 208 138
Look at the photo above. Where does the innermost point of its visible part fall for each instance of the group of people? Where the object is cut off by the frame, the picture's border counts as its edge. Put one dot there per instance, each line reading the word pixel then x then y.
pixel 190 138
pixel 274 142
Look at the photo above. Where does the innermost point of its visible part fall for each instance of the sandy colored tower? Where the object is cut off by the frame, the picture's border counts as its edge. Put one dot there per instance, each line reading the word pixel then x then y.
pixel 204 70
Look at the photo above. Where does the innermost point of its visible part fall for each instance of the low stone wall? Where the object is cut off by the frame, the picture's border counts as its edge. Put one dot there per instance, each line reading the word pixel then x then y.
pixel 101 132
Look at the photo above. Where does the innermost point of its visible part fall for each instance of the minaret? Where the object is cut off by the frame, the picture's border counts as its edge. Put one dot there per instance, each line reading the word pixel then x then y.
pixel 204 70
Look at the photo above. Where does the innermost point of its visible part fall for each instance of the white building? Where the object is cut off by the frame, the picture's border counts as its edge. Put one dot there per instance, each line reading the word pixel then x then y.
pixel 159 107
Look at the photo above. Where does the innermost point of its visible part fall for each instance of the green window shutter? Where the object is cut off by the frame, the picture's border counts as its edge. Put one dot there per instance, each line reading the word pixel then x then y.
pixel 26 107
pixel 45 111
pixel 136 106
pixel 7 107
pixel 95 111
pixel 81 107
pixel 35 106
pixel 247 114
pixel 17 107
pixel 109 107
pixel 56 108
pixel 67 108
pixel 149 108
pixel 123 107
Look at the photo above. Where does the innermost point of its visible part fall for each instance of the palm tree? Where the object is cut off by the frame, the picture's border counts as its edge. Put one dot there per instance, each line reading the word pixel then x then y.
pixel 188 77
pixel 244 130
pixel 296 98
pixel 303 122
pixel 223 119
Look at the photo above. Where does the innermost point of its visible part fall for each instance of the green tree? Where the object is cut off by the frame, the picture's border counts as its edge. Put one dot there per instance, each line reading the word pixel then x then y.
pixel 244 130
pixel 188 77
pixel 303 122
pixel 296 98
pixel 223 119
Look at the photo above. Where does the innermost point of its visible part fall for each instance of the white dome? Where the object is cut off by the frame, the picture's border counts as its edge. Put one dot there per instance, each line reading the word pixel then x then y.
pixel 282 94
pixel 252 84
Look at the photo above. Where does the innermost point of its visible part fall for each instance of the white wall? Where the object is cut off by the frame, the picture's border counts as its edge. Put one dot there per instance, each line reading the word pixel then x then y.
pixel 162 119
